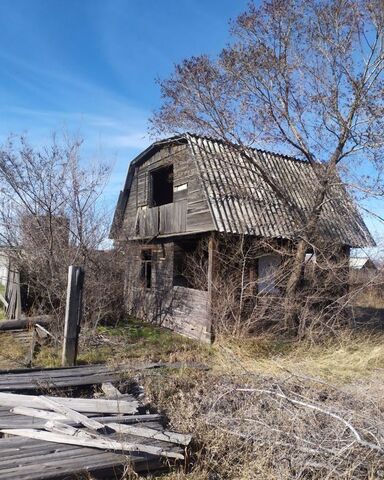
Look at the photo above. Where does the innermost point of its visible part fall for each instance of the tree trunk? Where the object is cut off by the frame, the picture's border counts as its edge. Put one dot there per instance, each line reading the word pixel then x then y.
pixel 292 303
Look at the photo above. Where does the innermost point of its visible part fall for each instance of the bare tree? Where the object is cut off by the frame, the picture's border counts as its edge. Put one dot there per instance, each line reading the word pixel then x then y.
pixel 303 74
pixel 51 216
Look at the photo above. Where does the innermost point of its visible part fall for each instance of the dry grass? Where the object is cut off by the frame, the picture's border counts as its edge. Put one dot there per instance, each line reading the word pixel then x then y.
pixel 12 351
pixel 344 374
pixel 250 437
pixel 343 359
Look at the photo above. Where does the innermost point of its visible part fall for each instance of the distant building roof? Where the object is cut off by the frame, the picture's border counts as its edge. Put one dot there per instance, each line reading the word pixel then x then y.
pixel 359 263
pixel 241 200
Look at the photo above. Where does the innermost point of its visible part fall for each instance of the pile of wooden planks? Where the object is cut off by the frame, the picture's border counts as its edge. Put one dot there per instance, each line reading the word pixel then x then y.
pixel 47 436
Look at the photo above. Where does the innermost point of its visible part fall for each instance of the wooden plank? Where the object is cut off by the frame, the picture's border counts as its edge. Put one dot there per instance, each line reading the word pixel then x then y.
pixel 18 296
pixel 80 404
pixel 110 391
pixel 3 301
pixel 48 415
pixel 71 414
pixel 164 435
pixel 150 221
pixel 212 267
pixel 101 443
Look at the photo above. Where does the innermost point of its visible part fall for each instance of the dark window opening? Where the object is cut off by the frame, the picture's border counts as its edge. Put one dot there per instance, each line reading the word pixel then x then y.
pixel 190 264
pixel 162 186
pixel 146 268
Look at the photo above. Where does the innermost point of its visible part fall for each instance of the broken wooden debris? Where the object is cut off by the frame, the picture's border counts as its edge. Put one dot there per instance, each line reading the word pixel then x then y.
pixel 39 460
pixel 164 435
pixel 43 332
pixel 82 426
pixel 102 443
pixel 89 405
pixel 110 391
pixel 30 379
pixel 71 414
pixel 36 413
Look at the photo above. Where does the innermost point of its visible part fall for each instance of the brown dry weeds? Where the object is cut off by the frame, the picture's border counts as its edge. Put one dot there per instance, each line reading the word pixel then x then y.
pixel 303 416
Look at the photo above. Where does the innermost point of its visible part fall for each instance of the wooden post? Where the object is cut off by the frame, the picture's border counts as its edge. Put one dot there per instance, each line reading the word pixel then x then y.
pixel 73 312
pixel 212 270
pixel 18 296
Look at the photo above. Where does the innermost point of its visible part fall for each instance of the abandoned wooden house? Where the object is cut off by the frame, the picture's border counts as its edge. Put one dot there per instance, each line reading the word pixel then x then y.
pixel 188 189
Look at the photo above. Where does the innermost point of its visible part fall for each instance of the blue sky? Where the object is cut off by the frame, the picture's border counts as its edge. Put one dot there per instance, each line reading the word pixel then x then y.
pixel 88 67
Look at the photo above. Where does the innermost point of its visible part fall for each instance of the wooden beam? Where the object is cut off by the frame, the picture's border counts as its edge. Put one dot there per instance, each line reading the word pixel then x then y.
pixel 211 274
pixel 73 313
pixel 3 301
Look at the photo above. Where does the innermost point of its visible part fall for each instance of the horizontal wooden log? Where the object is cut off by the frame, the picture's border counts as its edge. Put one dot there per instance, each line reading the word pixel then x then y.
pixel 102 443
pixel 25 323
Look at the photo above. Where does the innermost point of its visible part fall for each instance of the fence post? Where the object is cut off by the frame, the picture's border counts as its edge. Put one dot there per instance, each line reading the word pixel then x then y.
pixel 73 313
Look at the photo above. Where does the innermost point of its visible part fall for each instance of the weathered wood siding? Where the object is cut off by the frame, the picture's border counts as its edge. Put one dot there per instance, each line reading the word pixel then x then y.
pixel 178 308
pixel 189 212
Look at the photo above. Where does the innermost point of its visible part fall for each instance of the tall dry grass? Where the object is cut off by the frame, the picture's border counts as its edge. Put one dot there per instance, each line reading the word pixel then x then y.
pixel 261 435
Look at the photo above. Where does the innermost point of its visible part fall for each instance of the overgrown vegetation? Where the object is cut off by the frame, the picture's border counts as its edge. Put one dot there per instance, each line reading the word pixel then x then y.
pixel 252 435
pixel 256 435
pixel 305 76
pixel 51 217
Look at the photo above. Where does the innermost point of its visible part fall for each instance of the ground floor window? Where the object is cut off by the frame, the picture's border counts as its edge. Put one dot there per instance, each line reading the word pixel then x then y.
pixel 267 273
pixel 190 263
pixel 146 268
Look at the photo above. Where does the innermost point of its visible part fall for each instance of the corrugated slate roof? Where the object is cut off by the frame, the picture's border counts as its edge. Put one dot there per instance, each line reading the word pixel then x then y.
pixel 243 202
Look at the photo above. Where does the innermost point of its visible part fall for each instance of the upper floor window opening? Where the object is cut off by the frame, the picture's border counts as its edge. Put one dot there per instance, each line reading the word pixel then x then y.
pixel 161 181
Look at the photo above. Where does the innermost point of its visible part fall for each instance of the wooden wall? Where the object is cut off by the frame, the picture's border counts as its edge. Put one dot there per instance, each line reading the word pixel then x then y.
pixel 181 309
pixel 188 214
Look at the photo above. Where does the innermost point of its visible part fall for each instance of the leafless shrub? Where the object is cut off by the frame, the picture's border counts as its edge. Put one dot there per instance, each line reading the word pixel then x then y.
pixel 258 427
pixel 51 216
pixel 250 282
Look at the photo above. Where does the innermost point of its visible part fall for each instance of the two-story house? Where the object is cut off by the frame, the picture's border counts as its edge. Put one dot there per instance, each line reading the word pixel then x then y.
pixel 188 188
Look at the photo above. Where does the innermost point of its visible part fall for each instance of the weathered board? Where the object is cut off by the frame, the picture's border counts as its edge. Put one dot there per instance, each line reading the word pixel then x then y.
pixel 42 456
pixel 189 212
pixel 30 379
